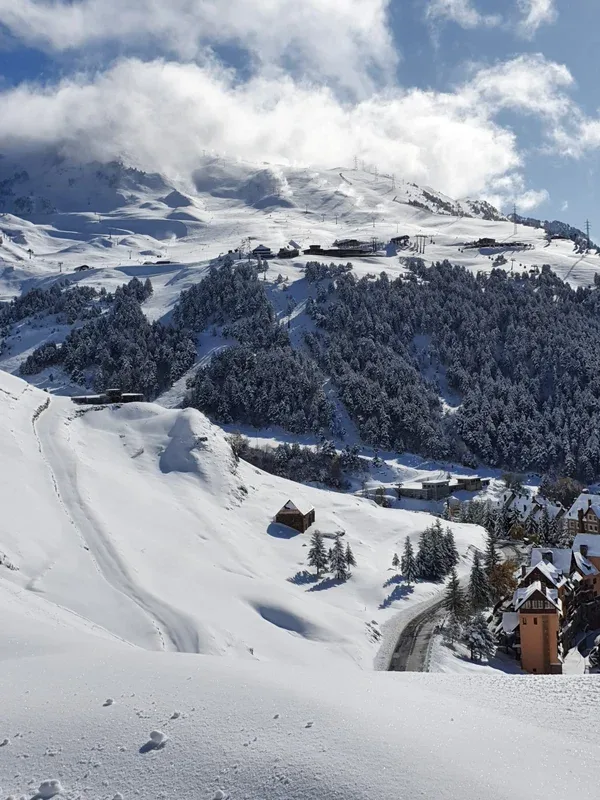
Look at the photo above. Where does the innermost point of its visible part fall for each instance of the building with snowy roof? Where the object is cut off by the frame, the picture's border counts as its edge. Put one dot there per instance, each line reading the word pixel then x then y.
pixel 296 515
pixel 584 514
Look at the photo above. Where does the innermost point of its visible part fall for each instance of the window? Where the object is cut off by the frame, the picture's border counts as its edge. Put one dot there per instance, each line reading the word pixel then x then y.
pixel 535 620
pixel 524 620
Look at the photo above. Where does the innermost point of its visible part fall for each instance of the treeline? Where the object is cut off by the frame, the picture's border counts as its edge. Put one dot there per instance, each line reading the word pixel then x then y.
pixel 262 381
pixel 322 464
pixel 68 303
pixel 522 352
pixel 120 348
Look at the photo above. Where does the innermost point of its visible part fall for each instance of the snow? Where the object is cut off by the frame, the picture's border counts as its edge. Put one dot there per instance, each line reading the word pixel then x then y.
pixel 432 735
pixel 137 522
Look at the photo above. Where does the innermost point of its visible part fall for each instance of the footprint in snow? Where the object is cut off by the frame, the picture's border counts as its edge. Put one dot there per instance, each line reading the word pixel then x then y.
pixel 309 725
pixel 108 702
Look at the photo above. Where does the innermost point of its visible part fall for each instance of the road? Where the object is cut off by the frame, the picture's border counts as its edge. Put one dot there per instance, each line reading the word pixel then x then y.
pixel 412 648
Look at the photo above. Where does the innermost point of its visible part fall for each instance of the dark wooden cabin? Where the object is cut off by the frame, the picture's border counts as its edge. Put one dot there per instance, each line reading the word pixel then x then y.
pixel 300 519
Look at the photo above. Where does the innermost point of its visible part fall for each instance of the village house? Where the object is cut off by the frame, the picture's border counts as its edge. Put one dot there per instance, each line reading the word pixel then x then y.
pixel 584 514
pixel 558 596
pixel 295 516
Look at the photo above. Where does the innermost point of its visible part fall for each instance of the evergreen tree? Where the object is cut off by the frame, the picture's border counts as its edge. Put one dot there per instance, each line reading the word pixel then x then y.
pixel 350 560
pixel 395 561
pixel 531 527
pixel 454 600
pixel 452 630
pixel 479 590
pixel 338 563
pixel 479 638
pixel 450 550
pixel 317 555
pixel 409 562
pixel 492 557
pixel 544 527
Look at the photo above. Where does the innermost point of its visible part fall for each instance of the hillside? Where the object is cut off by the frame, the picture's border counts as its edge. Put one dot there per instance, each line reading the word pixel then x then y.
pixel 109 216
pixel 138 520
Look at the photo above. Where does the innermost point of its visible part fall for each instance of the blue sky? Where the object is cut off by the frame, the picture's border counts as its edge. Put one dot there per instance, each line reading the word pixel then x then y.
pixel 473 97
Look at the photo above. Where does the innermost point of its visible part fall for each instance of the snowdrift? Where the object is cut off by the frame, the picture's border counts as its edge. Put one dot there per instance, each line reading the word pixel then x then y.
pixel 233 730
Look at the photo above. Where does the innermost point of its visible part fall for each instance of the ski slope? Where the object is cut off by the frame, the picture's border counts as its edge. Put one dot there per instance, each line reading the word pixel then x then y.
pixel 138 520
pixel 115 220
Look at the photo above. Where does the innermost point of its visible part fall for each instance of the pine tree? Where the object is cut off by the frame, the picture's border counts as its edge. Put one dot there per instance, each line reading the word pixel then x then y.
pixel 530 527
pixel 452 630
pixel 350 560
pixel 479 638
pixel 395 561
pixel 479 590
pixel 450 548
pixel 317 555
pixel 492 557
pixel 409 562
pixel 544 527
pixel 454 600
pixel 338 563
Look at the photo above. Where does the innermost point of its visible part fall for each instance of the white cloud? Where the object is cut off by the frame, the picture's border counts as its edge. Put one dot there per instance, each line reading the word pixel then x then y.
pixel 346 42
pixel 463 12
pixel 528 84
pixel 511 189
pixel 161 115
pixel 565 206
pixel 535 14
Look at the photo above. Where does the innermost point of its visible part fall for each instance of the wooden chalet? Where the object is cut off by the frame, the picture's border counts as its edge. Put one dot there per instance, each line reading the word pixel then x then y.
pixel 300 519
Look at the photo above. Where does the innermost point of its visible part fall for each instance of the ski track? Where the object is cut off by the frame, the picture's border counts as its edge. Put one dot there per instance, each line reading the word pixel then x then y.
pixel 174 629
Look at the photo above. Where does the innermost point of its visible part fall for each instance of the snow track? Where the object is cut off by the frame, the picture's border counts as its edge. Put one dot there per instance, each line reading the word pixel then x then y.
pixel 174 629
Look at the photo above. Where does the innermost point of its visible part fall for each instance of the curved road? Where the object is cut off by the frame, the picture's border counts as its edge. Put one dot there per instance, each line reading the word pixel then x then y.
pixel 412 649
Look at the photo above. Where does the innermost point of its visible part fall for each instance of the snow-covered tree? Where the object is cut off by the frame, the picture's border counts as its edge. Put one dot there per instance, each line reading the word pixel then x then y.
pixel 409 562
pixel 451 553
pixel 479 590
pixel 492 556
pixel 395 561
pixel 338 563
pixel 544 527
pixel 317 555
pixel 479 638
pixel 350 560
pixel 453 630
pixel 454 599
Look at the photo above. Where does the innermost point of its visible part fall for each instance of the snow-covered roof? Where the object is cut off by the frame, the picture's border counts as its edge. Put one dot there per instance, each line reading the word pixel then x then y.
pixel 595 507
pixel 583 565
pixel 523 594
pixel 582 504
pixel 549 571
pixel 591 540
pixel 561 558
pixel 302 507
pixel 510 621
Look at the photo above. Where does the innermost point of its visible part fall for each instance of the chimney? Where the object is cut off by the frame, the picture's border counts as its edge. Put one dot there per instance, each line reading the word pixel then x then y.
pixel 583 549
pixel 548 556
pixel 589 502
pixel 523 570
pixel 580 520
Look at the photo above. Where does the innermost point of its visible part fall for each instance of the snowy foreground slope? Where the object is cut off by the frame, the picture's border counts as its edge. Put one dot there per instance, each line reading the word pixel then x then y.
pixel 138 524
pixel 252 731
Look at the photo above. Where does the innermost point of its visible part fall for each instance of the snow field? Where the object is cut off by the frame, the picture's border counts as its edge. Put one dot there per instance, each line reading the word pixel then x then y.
pixel 257 730
pixel 139 520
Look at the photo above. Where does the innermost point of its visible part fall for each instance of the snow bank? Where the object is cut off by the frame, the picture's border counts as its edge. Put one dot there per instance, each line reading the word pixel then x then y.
pixel 245 732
